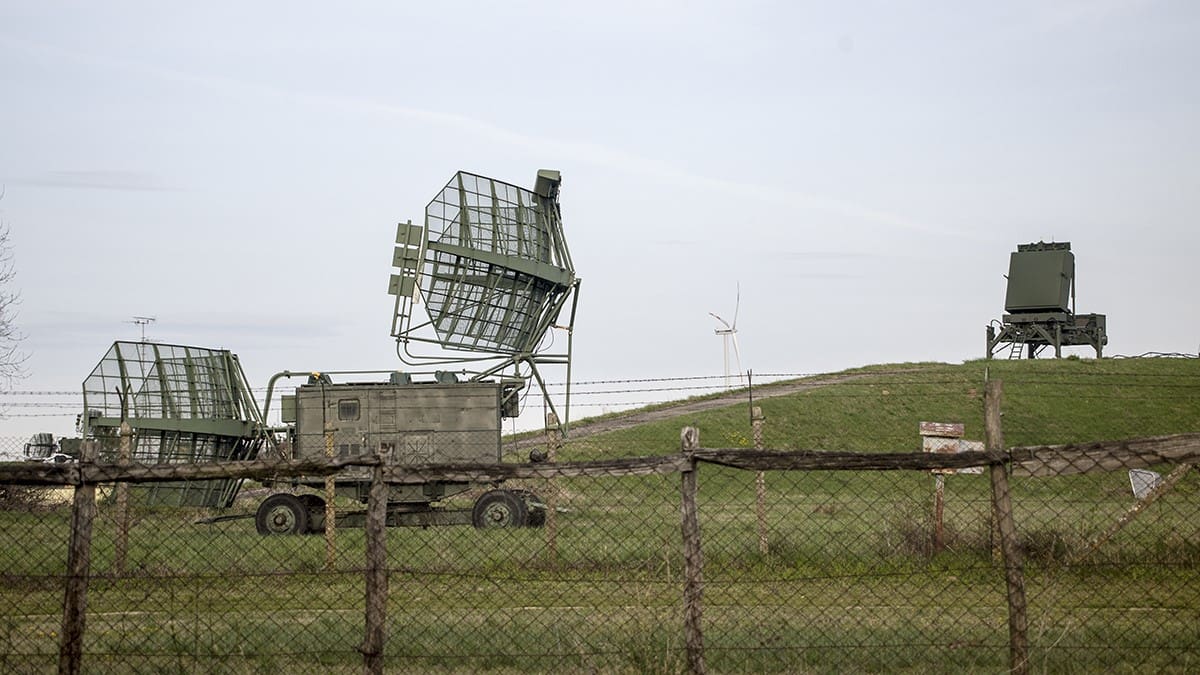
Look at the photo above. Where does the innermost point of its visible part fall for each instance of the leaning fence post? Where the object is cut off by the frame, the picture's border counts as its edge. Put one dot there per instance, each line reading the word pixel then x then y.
pixel 1014 576
pixel 760 481
pixel 124 457
pixel 376 572
pixel 693 563
pixel 83 512
pixel 1163 487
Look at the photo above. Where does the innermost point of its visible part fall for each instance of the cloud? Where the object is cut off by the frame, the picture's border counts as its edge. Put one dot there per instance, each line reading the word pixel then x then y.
pixel 132 181
pixel 821 255
pixel 582 151
pixel 1064 15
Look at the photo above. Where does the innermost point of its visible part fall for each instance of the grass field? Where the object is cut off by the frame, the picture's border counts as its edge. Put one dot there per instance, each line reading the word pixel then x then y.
pixel 850 581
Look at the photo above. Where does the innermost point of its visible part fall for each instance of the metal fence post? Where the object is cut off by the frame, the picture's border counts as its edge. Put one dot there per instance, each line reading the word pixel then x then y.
pixel 939 512
pixel 553 442
pixel 693 563
pixel 124 457
pixel 376 573
pixel 83 512
pixel 1014 576
pixel 330 507
pixel 760 481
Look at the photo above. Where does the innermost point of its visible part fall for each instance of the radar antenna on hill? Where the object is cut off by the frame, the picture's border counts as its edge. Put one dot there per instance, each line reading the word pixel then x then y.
pixel 493 270
pixel 1039 305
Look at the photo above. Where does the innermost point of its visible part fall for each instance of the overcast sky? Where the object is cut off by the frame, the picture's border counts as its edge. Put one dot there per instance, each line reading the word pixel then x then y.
pixel 861 169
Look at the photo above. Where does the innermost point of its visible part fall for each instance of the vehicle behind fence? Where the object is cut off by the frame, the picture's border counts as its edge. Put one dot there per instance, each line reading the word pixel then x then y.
pixel 783 539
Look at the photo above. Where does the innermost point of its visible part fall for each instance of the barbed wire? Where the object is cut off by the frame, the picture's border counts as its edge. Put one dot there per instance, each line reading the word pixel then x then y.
pixel 20 404
pixel 827 391
pixel 1157 355
pixel 775 378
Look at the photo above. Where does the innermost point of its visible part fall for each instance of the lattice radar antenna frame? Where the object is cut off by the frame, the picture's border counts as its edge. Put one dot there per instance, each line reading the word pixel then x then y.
pixel 492 268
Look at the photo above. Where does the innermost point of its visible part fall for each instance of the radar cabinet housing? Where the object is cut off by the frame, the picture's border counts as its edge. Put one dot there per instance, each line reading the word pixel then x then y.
pixel 1039 278
pixel 408 424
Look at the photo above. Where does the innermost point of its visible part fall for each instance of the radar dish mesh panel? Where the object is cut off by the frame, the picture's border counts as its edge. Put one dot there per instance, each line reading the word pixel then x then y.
pixel 496 265
pixel 165 382
pixel 184 404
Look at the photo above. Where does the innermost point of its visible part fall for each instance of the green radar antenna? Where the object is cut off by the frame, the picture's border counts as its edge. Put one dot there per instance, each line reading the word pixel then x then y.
pixel 492 268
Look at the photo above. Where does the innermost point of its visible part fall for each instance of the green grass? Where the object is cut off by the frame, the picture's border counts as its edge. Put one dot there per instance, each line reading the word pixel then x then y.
pixel 878 409
pixel 850 581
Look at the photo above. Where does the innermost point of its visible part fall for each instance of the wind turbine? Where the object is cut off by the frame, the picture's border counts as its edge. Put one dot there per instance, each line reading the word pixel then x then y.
pixel 729 335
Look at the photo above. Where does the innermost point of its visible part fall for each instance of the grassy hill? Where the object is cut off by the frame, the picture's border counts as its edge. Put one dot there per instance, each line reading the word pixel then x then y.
pixel 878 408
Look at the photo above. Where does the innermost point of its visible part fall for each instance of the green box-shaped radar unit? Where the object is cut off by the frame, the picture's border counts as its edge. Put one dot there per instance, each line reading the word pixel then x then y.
pixel 1039 278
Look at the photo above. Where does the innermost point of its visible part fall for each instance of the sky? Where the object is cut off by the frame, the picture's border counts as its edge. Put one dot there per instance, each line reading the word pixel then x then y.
pixel 849 177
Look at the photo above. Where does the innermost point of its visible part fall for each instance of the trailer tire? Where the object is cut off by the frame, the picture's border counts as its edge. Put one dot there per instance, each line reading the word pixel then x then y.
pixel 281 513
pixel 535 508
pixel 499 508
pixel 315 506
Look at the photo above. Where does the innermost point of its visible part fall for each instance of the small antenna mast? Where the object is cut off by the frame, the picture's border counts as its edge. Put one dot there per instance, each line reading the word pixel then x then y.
pixel 142 321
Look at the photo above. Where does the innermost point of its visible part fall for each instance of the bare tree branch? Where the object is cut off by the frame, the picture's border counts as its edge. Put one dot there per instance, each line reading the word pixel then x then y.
pixel 12 358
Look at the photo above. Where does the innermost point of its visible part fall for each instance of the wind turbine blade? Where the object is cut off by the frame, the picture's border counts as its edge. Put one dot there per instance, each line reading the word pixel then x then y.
pixel 723 321
pixel 737 305
pixel 737 354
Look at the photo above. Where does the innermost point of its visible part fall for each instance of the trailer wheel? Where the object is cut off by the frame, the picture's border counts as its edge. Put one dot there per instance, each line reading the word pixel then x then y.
pixel 499 508
pixel 535 508
pixel 315 507
pixel 281 514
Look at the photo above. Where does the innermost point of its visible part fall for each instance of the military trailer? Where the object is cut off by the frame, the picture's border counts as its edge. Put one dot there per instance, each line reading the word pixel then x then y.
pixel 42 447
pixel 409 424
pixel 490 272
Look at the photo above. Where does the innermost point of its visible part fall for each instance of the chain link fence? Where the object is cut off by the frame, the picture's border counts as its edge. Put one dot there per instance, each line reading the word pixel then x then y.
pixel 826 538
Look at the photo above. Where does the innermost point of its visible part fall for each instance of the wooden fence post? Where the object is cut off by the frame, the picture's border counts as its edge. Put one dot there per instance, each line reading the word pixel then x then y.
pixel 760 481
pixel 693 562
pixel 330 507
pixel 376 573
pixel 1014 576
pixel 553 442
pixel 83 512
pixel 124 458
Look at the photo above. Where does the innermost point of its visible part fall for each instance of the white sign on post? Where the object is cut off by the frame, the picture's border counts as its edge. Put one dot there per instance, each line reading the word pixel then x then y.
pixel 947 438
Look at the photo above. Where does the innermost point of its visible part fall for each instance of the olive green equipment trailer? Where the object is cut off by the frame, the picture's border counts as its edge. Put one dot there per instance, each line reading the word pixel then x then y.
pixel 409 420
pixel 480 285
